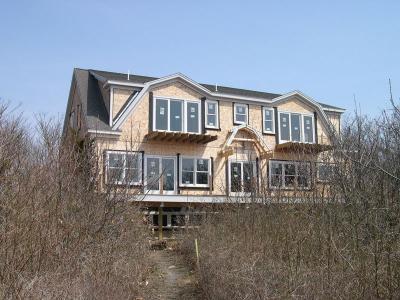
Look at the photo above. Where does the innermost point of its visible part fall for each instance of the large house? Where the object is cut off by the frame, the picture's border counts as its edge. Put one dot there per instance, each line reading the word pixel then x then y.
pixel 175 142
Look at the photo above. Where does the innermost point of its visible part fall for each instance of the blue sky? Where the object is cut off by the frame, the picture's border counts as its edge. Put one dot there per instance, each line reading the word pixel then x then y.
pixel 330 50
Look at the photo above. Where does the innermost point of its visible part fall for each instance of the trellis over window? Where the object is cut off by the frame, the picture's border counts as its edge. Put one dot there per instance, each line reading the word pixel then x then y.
pixel 255 138
pixel 124 167
pixel 289 174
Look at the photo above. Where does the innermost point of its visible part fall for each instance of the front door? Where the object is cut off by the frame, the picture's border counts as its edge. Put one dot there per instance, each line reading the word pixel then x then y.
pixel 160 175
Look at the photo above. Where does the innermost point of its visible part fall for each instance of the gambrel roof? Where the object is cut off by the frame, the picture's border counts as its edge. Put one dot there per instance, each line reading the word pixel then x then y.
pixel 91 87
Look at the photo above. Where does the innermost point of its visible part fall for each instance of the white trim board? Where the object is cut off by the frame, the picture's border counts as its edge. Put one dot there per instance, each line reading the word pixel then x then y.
pixel 221 199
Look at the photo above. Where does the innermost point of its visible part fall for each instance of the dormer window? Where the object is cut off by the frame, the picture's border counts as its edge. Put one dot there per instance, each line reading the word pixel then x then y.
pixel 241 113
pixel 176 115
pixel 296 127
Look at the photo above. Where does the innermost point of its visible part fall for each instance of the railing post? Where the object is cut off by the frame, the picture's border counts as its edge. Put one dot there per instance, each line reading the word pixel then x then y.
pixel 160 223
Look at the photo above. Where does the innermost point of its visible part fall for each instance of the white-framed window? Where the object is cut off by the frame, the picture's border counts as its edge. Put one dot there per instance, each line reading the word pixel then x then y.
pixel 325 171
pixel 242 176
pixel 194 172
pixel 296 127
pixel 268 120
pixel 289 174
pixel 124 167
pixel 211 114
pixel 176 115
pixel 240 114
pixel 160 174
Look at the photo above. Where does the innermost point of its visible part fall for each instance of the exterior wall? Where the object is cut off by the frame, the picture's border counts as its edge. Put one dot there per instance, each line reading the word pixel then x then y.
pixel 334 118
pixel 119 97
pixel 296 105
pixel 105 93
pixel 137 126
pixel 76 121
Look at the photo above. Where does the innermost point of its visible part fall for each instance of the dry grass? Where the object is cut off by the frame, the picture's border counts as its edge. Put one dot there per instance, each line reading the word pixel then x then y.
pixel 59 238
pixel 345 248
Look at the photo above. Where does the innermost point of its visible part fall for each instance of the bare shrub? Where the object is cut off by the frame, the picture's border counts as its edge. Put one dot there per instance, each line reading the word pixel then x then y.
pixel 59 236
pixel 339 241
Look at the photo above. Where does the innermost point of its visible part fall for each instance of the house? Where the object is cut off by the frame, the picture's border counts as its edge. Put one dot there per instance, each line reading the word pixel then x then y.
pixel 175 142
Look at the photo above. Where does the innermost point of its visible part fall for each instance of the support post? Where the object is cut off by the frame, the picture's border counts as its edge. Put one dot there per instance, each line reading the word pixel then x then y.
pixel 197 252
pixel 160 223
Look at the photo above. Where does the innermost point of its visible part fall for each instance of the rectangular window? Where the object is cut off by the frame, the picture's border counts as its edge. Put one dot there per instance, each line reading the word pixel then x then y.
pixel 242 176
pixel 268 120
pixel 153 173
pixel 326 171
pixel 240 113
pixel 212 114
pixel 192 117
pixel 124 167
pixel 289 174
pixel 168 173
pixel 176 115
pixel 161 114
pixel 284 129
pixel 187 172
pixel 194 172
pixel 295 127
pixel 308 129
pixel 160 174
pixel 236 177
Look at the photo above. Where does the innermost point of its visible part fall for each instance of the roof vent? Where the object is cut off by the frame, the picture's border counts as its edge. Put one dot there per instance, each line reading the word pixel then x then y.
pixel 128 74
pixel 216 87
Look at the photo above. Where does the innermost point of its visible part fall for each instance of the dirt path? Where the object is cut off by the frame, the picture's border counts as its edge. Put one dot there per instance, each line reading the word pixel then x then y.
pixel 172 278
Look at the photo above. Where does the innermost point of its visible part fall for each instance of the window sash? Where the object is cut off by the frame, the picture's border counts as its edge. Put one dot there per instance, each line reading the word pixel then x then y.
pixel 308 129
pixel 125 169
pixel 161 174
pixel 287 131
pixel 192 117
pixel 210 115
pixel 168 110
pixel 242 176
pixel 162 114
pixel 295 127
pixel 237 113
pixel 194 173
pixel 289 174
pixel 176 116
pixel 284 126
pixel 268 120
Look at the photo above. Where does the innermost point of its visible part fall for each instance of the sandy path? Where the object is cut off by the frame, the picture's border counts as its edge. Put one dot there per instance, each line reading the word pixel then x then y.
pixel 171 277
